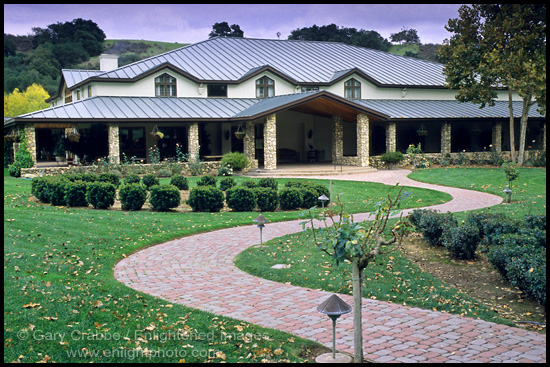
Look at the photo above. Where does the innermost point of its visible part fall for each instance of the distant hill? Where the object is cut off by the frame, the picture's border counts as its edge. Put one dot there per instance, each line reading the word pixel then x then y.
pixel 130 51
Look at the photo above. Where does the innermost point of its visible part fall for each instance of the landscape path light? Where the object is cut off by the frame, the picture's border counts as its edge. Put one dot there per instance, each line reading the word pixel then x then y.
pixel 260 221
pixel 323 199
pixel 334 307
pixel 508 193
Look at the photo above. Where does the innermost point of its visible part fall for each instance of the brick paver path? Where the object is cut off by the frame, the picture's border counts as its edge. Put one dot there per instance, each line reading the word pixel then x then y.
pixel 198 271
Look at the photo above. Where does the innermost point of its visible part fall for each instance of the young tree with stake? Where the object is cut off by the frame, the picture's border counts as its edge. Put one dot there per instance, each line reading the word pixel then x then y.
pixel 359 243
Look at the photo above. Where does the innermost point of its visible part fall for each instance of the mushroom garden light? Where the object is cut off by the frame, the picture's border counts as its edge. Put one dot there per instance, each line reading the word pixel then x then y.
pixel 334 307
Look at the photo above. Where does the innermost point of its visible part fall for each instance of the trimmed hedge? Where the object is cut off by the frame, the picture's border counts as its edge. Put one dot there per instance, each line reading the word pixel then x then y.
pixel 180 182
pixel 206 199
pixel 150 180
pixel 267 199
pixel 75 193
pixel 132 196
pixel 462 242
pixel 241 199
pixel 101 195
pixel 227 183
pixel 207 181
pixel 132 179
pixel 290 198
pixel 164 197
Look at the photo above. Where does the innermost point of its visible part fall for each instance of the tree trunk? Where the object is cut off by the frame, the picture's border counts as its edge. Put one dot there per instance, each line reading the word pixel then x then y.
pixel 357 283
pixel 512 138
pixel 523 128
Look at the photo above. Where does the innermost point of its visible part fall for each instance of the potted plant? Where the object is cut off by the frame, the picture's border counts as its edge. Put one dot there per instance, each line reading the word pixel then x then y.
pixel 240 134
pixel 157 135
pixel 59 150
pixel 392 158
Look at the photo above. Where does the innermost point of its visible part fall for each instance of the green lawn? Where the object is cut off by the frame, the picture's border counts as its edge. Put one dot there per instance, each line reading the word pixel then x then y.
pixel 62 303
pixel 393 278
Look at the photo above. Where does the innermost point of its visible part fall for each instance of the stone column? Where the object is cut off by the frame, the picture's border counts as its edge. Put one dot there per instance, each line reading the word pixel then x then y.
pixel 270 142
pixel 391 137
pixel 249 144
pixel 114 144
pixel 445 138
pixel 30 137
pixel 337 139
pixel 193 141
pixel 363 140
pixel 497 137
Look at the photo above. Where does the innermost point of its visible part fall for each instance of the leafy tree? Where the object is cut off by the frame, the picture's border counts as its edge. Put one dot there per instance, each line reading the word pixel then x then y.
pixel 18 103
pixel 333 33
pixel 224 30
pixel 360 244
pixel 407 35
pixel 498 45
pixel 9 46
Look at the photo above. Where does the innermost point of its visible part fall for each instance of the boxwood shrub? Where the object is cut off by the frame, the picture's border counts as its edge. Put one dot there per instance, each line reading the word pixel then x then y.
pixel 75 193
pixel 290 198
pixel 227 183
pixel 150 180
pixel 267 199
pixel 462 242
pixel 206 199
pixel 268 182
pixel 310 197
pixel 132 178
pixel 164 197
pixel 240 199
pixel 38 189
pixel 180 182
pixel 101 195
pixel 207 180
pixel 112 178
pixel 55 190
pixel 132 196
pixel 433 224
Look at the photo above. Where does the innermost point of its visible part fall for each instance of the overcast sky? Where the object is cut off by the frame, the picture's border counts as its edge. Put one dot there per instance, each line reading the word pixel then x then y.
pixel 190 23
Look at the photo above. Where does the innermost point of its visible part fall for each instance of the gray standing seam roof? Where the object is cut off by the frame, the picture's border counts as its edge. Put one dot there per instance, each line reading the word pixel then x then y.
pixel 229 59
pixel 136 108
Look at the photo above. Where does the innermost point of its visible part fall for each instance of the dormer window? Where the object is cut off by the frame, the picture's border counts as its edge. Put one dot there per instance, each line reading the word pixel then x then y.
pixel 352 89
pixel 165 86
pixel 265 87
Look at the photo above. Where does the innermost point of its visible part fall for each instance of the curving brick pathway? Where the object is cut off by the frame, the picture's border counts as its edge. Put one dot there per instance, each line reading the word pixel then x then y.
pixel 198 271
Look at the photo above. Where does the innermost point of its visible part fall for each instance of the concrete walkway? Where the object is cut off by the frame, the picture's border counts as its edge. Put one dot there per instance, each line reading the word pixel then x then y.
pixel 198 271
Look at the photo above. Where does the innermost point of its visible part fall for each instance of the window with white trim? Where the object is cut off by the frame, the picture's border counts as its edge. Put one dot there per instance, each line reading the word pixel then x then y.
pixel 165 86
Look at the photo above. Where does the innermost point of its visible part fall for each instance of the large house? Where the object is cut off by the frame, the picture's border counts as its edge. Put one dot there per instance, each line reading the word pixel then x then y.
pixel 296 101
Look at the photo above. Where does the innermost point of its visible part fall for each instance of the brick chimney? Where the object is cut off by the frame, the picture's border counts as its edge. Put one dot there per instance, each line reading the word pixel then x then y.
pixel 108 62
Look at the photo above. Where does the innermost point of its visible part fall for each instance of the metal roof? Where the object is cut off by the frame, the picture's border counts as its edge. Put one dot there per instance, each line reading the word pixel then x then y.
pixel 102 107
pixel 136 108
pixel 73 77
pixel 439 109
pixel 231 59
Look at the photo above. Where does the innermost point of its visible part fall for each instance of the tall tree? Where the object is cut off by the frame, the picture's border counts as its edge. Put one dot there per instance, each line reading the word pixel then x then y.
pixel 407 35
pixel 498 45
pixel 333 33
pixel 224 30
pixel 32 99
pixel 360 244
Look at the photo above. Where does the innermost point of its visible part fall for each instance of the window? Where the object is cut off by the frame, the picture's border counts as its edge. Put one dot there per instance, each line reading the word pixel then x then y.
pixel 352 89
pixel 165 86
pixel 265 87
pixel 89 91
pixel 78 94
pixel 132 142
pixel 310 88
pixel 217 90
pixel 68 95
